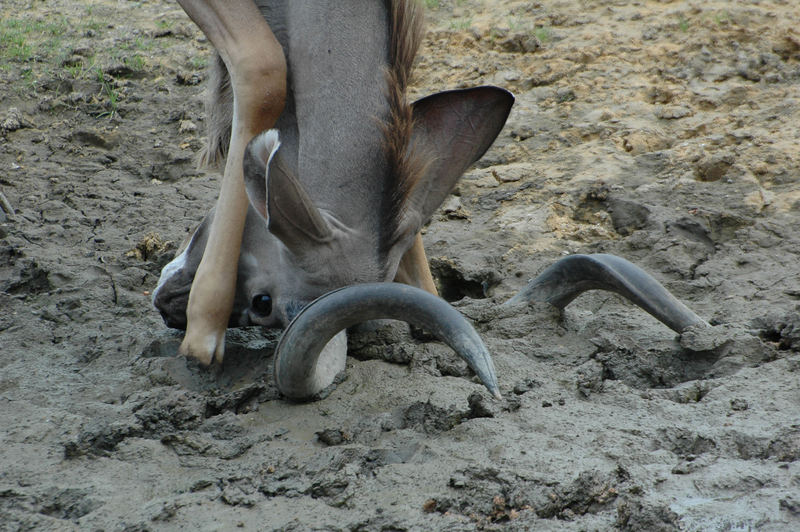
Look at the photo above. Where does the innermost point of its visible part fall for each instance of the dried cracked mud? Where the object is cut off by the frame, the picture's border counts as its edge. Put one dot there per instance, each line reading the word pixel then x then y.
pixel 664 132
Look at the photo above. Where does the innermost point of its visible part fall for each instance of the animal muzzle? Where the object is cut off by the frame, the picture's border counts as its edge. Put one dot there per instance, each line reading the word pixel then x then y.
pixel 172 298
pixel 304 349
pixel 171 304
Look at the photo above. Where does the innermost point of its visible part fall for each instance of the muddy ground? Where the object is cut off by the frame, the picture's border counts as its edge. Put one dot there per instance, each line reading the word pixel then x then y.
pixel 664 132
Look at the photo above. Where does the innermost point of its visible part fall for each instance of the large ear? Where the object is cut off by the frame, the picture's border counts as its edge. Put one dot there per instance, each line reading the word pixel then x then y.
pixel 279 197
pixel 455 128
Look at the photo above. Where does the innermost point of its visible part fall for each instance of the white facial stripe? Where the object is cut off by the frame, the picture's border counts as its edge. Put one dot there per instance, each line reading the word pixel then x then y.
pixel 170 269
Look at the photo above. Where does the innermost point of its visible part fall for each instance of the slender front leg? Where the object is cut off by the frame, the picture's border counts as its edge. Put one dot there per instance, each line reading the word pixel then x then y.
pixel 414 270
pixel 257 68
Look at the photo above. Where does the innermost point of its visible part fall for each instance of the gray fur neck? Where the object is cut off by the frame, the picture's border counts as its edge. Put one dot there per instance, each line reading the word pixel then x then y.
pixel 331 126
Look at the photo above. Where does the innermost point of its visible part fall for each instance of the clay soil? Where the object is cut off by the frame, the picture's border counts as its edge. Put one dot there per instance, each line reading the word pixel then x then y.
pixel 664 132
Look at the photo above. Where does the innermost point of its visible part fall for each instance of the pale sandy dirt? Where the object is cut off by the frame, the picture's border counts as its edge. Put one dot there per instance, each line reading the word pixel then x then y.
pixel 664 132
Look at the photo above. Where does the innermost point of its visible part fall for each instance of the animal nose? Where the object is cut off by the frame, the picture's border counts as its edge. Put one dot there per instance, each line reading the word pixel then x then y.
pixel 171 301
pixel 172 321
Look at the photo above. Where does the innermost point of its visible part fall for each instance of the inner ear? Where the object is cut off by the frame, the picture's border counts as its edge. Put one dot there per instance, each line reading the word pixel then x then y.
pixel 455 128
pixel 257 158
pixel 279 197
pixel 291 214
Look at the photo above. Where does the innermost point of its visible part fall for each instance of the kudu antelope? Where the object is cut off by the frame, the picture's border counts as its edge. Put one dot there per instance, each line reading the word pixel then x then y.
pixel 341 173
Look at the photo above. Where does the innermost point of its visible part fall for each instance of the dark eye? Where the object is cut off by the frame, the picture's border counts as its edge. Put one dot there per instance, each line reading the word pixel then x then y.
pixel 262 305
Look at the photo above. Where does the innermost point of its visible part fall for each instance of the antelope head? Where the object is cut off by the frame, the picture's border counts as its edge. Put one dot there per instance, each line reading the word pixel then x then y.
pixel 339 189
pixel 295 250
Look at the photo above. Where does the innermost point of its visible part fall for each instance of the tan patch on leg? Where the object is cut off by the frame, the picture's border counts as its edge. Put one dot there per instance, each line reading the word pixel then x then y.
pixel 414 270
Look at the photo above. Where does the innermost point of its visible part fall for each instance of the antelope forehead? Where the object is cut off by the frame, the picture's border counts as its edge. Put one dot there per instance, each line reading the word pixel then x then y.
pixel 353 265
pixel 350 257
pixel 341 271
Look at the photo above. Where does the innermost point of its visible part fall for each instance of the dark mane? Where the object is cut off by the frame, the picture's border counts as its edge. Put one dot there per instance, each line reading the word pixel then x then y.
pixel 406 161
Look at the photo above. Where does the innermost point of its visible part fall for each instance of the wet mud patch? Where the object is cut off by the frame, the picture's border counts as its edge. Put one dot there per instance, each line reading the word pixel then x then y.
pixel 325 477
pixel 414 422
pixel 190 423
pixel 397 343
pixel 684 443
pixel 60 504
pixel 783 446
pixel 699 353
pixel 651 368
pixel 710 228
pixel 600 204
pixel 331 475
pixel 637 515
pixel 455 283
pixel 781 330
pixel 428 418
pixel 248 362
pixel 29 279
pixel 493 496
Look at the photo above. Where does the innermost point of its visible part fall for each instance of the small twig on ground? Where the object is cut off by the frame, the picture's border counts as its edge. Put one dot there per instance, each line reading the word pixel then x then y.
pixel 5 205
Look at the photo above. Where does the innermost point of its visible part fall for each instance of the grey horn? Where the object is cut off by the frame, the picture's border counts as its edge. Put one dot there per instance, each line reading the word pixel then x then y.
pixel 571 276
pixel 299 349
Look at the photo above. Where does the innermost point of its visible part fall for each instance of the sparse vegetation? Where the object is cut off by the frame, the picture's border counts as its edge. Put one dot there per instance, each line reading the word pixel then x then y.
pixel 198 62
pixel 722 17
pixel 109 92
pixel 461 24
pixel 543 33
pixel 14 42
pixel 515 24
pixel 135 63
pixel 143 44
pixel 75 70
pixel 50 52
pixel 27 40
